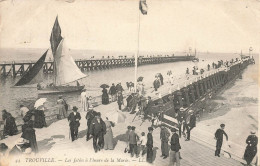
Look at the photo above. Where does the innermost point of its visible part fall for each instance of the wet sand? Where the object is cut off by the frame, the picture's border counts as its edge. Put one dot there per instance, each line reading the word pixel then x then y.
pixel 237 108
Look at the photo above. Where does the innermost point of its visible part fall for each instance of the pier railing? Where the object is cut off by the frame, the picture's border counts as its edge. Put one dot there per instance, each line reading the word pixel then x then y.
pixel 20 68
pixel 186 93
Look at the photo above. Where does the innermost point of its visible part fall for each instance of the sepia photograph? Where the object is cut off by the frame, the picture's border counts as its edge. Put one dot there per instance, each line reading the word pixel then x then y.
pixel 129 82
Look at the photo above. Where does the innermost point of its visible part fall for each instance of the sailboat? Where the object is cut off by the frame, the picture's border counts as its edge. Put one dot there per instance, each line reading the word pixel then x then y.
pixel 66 72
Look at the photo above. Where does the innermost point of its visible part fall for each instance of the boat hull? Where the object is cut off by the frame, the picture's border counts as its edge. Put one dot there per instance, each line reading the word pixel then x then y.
pixel 60 89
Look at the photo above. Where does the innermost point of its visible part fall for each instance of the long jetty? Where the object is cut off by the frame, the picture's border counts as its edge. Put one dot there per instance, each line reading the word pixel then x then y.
pixel 14 69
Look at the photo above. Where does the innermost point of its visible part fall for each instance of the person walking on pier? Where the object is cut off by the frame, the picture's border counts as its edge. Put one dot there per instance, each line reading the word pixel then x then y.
pixel 149 106
pixel 29 134
pixel 175 148
pixel 84 100
pixel 90 116
pixel 105 98
pixel 143 141
pixel 61 108
pixel 10 127
pixel 73 119
pixel 133 138
pixel 156 83
pixel 190 123
pixel 181 121
pixel 119 87
pixel 149 145
pixel 219 137
pixel 251 148
pixel 164 136
pixel 108 137
pixel 98 129
pixel 112 92
pixel 23 110
pixel 120 100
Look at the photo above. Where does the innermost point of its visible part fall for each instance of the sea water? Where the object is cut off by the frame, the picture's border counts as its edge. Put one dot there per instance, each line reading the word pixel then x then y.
pixel 12 97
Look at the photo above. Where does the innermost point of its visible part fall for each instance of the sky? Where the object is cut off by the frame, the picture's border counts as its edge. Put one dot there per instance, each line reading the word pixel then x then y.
pixel 170 25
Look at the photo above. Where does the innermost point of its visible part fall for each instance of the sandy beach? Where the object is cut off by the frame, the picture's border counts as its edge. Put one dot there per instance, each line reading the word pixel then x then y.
pixel 237 108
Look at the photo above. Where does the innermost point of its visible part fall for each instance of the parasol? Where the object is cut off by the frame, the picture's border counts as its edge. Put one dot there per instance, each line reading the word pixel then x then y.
pixel 104 86
pixel 39 103
pixel 116 117
pixel 140 79
pixel 158 74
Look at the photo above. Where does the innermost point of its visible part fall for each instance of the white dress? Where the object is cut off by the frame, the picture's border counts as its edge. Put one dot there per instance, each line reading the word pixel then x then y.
pixel 84 101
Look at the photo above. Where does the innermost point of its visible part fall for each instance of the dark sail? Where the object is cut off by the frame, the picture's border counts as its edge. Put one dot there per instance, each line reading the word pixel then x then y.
pixel 29 76
pixel 55 36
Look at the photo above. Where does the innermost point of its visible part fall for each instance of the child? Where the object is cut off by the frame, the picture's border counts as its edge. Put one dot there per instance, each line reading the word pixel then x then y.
pixel 143 141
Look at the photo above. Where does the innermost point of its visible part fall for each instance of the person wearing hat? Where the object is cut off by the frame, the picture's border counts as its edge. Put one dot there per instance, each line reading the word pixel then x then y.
pixel 149 105
pixel 219 137
pixel 61 108
pixel 132 139
pixel 181 120
pixel 128 99
pixel 190 123
pixel 175 148
pixel 120 100
pixel 149 145
pixel 23 110
pixel 10 127
pixel 84 100
pixel 164 136
pixel 119 87
pixel 251 148
pixel 112 92
pixel 156 83
pixel 98 130
pixel 73 119
pixel 20 145
pixel 90 116
pixel 28 133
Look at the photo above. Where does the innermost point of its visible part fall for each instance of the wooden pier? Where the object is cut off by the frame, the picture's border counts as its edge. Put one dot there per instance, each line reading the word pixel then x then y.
pixel 14 69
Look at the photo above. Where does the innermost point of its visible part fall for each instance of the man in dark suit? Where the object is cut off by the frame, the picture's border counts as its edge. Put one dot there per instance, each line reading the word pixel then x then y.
pixel 98 130
pixel 180 118
pixel 73 119
pixel 175 147
pixel 132 139
pixel 219 137
pixel 149 106
pixel 112 92
pixel 251 148
pixel 149 145
pixel 90 116
pixel 190 123
pixel 164 136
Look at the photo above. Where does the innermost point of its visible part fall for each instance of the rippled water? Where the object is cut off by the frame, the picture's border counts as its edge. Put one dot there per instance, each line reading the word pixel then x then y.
pixel 11 98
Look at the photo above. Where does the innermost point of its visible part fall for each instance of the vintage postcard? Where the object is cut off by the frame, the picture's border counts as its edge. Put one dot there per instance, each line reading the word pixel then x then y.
pixel 129 82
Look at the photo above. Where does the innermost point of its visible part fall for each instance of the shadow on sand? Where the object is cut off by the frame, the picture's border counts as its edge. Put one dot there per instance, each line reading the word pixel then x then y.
pixel 46 144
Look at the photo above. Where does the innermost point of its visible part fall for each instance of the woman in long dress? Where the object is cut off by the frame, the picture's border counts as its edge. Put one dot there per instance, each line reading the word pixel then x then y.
pixel 108 137
pixel 10 127
pixel 105 98
pixel 61 108
pixel 29 134
pixel 84 100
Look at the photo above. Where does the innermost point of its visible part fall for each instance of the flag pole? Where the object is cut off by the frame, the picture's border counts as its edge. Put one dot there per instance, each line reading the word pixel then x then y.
pixel 137 50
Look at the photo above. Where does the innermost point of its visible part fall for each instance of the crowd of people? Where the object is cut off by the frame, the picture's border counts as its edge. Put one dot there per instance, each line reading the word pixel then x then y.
pixel 101 130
